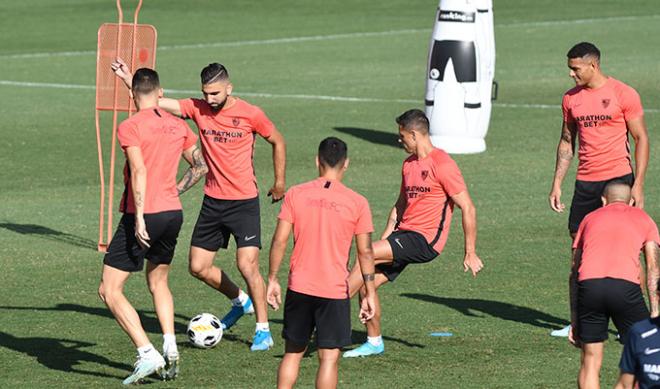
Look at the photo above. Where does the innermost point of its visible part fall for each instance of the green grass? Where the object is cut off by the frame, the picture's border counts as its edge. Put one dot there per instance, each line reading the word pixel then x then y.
pixel 55 332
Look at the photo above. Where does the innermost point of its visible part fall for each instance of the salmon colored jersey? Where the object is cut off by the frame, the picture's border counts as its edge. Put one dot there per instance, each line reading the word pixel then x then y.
pixel 611 239
pixel 601 115
pixel 428 185
pixel 326 215
pixel 228 139
pixel 162 138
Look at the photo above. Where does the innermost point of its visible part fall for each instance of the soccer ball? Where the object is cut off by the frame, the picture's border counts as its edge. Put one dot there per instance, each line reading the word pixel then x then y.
pixel 204 330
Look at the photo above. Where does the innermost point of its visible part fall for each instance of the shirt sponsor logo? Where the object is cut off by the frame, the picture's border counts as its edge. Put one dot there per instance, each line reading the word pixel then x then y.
pixel 412 191
pixel 222 136
pixel 649 351
pixel 649 333
pixel 325 204
pixel 591 120
pixel 651 368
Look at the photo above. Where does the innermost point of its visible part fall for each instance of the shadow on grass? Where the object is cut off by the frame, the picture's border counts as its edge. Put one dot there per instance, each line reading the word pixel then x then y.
pixel 60 354
pixel 49 234
pixel 373 136
pixel 505 311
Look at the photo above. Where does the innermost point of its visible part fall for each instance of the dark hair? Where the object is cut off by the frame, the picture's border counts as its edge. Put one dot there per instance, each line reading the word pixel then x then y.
pixel 145 81
pixel 583 49
pixel 214 72
pixel 332 152
pixel 414 119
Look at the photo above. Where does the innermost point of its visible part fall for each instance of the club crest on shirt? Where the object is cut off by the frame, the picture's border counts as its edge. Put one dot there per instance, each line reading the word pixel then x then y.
pixel 425 173
pixel 237 121
pixel 605 102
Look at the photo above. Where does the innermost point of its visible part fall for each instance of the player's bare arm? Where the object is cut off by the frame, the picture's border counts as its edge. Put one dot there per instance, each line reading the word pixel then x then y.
pixel 626 381
pixel 122 71
pixel 395 214
pixel 651 252
pixel 573 295
pixel 365 256
pixel 277 251
pixel 637 129
pixel 276 139
pixel 195 172
pixel 139 189
pixel 565 151
pixel 471 261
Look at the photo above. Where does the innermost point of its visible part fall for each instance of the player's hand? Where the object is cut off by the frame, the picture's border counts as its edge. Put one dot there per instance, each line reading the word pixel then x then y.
pixel 637 197
pixel 276 193
pixel 274 294
pixel 473 263
pixel 573 338
pixel 555 200
pixel 120 68
pixel 367 308
pixel 141 232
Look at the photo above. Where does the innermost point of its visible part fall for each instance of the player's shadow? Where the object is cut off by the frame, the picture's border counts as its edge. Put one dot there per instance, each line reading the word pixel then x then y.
pixel 505 311
pixel 49 234
pixel 61 354
pixel 373 136
pixel 148 318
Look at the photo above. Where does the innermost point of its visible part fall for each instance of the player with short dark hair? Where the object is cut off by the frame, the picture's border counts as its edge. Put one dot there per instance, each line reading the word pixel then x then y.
pixel 228 127
pixel 418 225
pixel 324 216
pixel 605 276
pixel 153 141
pixel 600 112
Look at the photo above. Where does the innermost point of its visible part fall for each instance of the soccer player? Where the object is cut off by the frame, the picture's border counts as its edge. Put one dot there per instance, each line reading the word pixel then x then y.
pixel 600 112
pixel 640 360
pixel 418 225
pixel 152 140
pixel 605 276
pixel 228 127
pixel 324 216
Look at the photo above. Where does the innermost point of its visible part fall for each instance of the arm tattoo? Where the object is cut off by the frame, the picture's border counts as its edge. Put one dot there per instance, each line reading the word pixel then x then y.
pixel 194 172
pixel 138 199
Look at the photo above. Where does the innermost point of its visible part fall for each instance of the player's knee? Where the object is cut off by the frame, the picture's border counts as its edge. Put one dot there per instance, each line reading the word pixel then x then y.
pixel 156 286
pixel 249 269
pixel 197 269
pixel 108 295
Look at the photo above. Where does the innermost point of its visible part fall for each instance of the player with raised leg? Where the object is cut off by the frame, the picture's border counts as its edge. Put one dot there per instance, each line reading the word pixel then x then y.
pixel 418 226
pixel 228 127
pixel 153 140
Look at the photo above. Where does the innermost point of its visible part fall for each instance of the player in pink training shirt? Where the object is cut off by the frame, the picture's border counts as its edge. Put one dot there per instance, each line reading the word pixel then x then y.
pixel 418 226
pixel 599 112
pixel 325 216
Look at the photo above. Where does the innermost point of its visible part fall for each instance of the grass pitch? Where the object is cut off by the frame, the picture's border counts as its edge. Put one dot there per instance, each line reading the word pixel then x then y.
pixel 55 332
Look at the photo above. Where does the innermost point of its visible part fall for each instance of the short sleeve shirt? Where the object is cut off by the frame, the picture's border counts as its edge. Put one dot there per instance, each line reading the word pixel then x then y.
pixel 228 138
pixel 326 215
pixel 601 115
pixel 611 239
pixel 162 138
pixel 428 185
pixel 641 353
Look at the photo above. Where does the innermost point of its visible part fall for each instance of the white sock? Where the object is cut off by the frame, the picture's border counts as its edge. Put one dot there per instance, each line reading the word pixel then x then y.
pixel 240 300
pixel 169 343
pixel 147 351
pixel 262 327
pixel 375 340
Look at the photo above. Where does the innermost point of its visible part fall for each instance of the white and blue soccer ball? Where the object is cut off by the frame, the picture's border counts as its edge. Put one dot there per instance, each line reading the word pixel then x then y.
pixel 204 330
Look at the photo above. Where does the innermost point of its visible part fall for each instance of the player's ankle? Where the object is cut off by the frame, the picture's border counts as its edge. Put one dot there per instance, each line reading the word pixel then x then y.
pixel 375 340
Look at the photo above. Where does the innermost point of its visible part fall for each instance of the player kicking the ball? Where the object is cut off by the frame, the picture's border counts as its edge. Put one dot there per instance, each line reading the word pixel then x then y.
pixel 152 140
pixel 418 225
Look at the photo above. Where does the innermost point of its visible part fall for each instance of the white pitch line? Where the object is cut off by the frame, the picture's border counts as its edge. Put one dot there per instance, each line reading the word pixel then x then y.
pixel 282 96
pixel 328 37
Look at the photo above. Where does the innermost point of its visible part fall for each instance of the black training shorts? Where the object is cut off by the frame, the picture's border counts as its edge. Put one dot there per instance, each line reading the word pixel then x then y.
pixel 587 198
pixel 125 253
pixel 218 219
pixel 603 298
pixel 407 247
pixel 330 317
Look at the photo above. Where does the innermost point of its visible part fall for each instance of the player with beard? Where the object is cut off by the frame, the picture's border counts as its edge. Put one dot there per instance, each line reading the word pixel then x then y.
pixel 228 127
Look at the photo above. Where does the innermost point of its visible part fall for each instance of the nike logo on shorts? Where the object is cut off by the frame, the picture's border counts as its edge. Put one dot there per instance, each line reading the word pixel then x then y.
pixel 649 351
pixel 250 237
pixel 397 242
